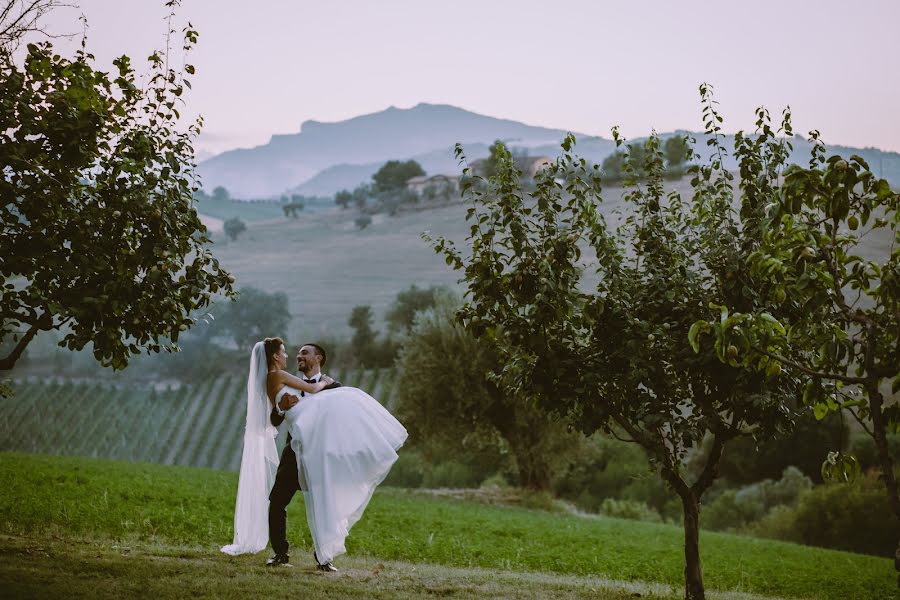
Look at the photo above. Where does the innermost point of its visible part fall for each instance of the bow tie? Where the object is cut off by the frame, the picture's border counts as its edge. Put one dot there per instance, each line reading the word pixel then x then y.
pixel 310 380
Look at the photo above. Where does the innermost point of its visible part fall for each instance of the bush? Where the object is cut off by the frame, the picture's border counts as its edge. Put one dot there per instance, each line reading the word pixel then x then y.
pixel 451 474
pixel 607 468
pixel 852 516
pixel 736 508
pixel 408 471
pixel 629 509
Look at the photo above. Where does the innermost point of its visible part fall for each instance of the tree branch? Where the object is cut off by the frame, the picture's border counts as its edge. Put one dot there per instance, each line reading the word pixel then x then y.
pixel 44 323
pixel 711 468
pixel 808 370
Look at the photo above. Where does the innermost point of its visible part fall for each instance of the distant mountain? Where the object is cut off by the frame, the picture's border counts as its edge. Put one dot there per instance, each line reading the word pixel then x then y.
pixel 289 160
pixel 326 157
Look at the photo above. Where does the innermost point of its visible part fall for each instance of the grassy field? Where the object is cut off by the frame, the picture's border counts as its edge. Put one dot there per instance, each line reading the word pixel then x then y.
pixel 327 266
pixel 68 523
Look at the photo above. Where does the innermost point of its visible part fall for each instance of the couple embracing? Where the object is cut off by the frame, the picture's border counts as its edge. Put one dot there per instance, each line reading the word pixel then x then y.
pixel 341 445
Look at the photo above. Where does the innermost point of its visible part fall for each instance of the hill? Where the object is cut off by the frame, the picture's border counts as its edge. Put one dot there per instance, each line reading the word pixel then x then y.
pixel 74 524
pixel 326 157
pixel 289 160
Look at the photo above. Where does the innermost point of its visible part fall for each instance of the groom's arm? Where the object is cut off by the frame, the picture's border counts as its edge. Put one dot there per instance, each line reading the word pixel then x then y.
pixel 276 417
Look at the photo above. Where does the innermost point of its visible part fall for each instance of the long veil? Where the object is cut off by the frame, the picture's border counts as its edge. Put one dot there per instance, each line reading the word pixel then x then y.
pixel 259 463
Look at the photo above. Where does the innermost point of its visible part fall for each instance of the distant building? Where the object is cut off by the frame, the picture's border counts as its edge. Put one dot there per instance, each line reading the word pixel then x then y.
pixel 448 183
pixel 529 165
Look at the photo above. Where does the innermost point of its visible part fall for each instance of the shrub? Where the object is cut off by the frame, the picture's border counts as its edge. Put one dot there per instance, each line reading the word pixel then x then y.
pixel 408 471
pixel 853 516
pixel 451 474
pixel 629 509
pixel 736 508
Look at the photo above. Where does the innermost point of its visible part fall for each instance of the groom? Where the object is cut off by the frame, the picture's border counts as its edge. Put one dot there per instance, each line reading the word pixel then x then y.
pixel 310 360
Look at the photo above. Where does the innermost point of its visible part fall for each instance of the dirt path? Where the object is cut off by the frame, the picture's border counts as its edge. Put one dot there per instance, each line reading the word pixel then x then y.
pixel 54 567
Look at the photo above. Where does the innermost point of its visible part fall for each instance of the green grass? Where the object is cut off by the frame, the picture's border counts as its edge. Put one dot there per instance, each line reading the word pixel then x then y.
pixel 248 212
pixel 57 497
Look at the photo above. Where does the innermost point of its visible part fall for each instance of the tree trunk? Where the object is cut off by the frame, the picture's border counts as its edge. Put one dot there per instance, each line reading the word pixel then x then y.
pixel 693 573
pixel 879 432
pixel 534 470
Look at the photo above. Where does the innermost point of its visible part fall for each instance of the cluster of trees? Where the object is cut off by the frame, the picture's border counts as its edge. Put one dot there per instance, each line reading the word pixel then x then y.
pixel 388 192
pixel 366 349
pixel 632 357
pixel 676 152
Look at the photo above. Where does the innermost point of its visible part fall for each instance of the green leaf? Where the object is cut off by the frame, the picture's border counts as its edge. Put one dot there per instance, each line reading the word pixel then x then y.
pixel 694 333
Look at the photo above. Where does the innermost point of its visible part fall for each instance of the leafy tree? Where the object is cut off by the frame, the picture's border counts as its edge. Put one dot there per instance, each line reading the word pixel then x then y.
pixel 678 152
pixel 254 315
pixel 613 166
pixel 362 221
pixel 617 359
pixel 220 194
pixel 292 209
pixel 364 336
pixel 234 227
pixel 361 195
pixel 447 397
pixel 343 199
pixel 100 171
pixel 844 338
pixel 402 313
pixel 394 174
pixel 491 164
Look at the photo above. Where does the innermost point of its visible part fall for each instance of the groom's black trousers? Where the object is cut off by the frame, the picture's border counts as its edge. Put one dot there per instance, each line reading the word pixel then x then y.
pixel 287 483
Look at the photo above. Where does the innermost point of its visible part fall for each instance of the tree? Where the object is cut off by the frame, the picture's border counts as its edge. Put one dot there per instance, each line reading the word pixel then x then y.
pixel 677 152
pixel 343 199
pixel 361 195
pixel 446 396
pixel 491 165
pixel 613 165
pixel 220 194
pixel 843 340
pixel 234 227
pixel 253 315
pixel 364 336
pixel 19 18
pixel 402 313
pixel 100 170
pixel 292 209
pixel 362 221
pixel 617 360
pixel 394 174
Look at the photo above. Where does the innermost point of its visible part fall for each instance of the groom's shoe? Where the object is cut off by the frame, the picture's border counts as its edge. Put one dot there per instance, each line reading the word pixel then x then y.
pixel 327 567
pixel 278 560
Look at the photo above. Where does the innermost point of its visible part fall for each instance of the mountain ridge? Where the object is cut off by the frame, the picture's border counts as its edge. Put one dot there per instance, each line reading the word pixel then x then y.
pixel 324 157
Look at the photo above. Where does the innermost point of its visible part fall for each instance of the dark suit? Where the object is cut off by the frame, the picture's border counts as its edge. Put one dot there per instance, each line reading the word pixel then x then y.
pixel 287 483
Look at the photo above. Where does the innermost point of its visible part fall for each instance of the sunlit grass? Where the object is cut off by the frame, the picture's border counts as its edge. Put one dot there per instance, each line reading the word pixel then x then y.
pixel 174 505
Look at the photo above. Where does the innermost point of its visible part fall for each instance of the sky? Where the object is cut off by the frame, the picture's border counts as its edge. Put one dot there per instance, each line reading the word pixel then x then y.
pixel 584 66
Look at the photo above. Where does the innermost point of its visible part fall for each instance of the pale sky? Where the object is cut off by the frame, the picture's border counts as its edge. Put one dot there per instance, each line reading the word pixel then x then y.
pixel 265 67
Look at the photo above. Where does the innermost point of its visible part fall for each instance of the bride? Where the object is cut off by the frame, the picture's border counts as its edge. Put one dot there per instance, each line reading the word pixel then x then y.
pixel 345 443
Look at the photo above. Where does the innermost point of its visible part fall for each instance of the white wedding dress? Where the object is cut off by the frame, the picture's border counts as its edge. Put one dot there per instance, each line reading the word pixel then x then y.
pixel 346 443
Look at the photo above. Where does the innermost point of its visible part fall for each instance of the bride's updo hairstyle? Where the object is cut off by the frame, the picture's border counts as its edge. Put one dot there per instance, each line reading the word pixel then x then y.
pixel 272 345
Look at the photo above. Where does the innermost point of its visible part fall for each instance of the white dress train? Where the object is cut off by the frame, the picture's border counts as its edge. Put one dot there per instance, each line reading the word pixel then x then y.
pixel 346 443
